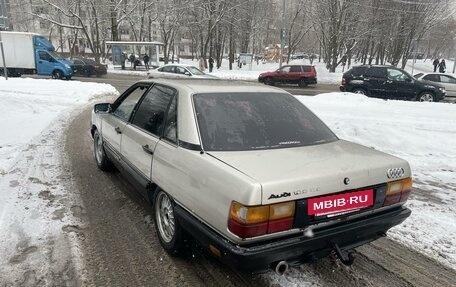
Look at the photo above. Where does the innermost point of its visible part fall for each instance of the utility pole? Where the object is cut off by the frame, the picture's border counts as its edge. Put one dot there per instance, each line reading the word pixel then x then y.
pixel 282 34
pixel 3 26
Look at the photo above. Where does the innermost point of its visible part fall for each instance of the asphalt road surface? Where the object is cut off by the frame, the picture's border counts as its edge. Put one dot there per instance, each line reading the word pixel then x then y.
pixel 120 248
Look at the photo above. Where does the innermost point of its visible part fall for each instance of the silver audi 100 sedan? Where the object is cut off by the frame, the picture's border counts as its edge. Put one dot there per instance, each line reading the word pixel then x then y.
pixel 248 171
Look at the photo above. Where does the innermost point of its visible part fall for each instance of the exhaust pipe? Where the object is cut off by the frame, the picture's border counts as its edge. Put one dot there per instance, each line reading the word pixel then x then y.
pixel 280 267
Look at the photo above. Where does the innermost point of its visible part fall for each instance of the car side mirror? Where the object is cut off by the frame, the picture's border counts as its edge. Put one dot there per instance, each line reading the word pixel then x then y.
pixel 408 80
pixel 52 60
pixel 187 73
pixel 102 108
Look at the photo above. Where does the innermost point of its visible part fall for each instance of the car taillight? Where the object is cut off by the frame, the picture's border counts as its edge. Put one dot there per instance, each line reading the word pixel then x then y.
pixel 398 191
pixel 344 82
pixel 251 221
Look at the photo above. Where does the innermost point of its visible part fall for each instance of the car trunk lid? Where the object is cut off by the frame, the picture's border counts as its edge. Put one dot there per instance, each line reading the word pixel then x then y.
pixel 310 171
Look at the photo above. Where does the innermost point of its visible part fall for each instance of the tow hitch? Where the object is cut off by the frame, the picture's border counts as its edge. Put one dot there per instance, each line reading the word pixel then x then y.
pixel 346 259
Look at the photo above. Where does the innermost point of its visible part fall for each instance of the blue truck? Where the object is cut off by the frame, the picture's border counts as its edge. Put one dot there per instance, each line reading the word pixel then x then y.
pixel 30 53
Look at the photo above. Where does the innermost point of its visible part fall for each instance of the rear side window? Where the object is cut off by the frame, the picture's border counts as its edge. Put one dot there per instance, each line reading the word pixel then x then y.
pixel 358 71
pixel 295 69
pixel 306 69
pixel 376 72
pixel 150 115
pixel 251 121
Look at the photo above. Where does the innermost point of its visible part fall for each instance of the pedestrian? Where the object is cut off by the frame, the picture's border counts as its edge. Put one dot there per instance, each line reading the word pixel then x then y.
pixel 442 66
pixel 202 64
pixel 146 61
pixel 123 58
pixel 435 63
pixel 211 64
pixel 132 60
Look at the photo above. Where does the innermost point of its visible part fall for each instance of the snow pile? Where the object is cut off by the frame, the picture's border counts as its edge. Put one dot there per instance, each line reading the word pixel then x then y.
pixel 28 106
pixel 424 134
pixel 37 230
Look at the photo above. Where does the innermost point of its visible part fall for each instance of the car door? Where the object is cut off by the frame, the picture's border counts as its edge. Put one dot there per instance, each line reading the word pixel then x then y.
pixel 45 63
pixel 376 83
pixel 282 74
pixel 114 123
pixel 78 67
pixel 402 83
pixel 294 76
pixel 449 83
pixel 145 130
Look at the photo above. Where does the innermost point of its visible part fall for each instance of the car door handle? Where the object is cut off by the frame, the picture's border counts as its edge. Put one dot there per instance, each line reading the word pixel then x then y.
pixel 389 81
pixel 147 149
pixel 117 129
pixel 40 62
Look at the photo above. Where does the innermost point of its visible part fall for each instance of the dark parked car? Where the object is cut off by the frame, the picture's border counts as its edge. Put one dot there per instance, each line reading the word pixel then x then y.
pixel 389 82
pixel 88 67
pixel 290 74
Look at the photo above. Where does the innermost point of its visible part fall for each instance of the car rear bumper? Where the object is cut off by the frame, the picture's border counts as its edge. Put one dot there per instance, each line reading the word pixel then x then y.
pixel 295 249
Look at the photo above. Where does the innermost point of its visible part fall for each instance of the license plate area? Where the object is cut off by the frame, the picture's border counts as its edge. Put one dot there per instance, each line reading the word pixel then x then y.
pixel 339 204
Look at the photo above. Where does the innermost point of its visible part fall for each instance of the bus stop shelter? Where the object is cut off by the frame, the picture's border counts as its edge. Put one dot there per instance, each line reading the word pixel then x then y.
pixel 120 49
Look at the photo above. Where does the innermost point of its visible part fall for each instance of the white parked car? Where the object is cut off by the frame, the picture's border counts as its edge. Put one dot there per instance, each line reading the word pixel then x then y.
pixel 448 81
pixel 179 71
pixel 248 171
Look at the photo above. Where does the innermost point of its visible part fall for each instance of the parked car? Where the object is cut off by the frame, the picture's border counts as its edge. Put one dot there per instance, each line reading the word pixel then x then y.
pixel 389 82
pixel 448 81
pixel 178 71
pixel 88 67
pixel 248 171
pixel 302 75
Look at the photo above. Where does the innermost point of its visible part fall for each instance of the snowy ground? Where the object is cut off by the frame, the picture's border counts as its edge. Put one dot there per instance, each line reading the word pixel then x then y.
pixel 34 113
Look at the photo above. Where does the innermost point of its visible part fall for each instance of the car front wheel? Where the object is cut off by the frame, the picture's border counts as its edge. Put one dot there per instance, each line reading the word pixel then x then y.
pixel 103 162
pixel 166 224
pixel 269 81
pixel 425 97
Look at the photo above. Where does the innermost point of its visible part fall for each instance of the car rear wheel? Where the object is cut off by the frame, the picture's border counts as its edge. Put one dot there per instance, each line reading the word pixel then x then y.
pixel 269 81
pixel 425 97
pixel 360 91
pixel 166 224
pixel 303 83
pixel 103 162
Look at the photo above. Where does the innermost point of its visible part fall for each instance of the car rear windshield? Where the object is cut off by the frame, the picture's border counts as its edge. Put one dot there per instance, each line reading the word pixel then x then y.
pixel 251 121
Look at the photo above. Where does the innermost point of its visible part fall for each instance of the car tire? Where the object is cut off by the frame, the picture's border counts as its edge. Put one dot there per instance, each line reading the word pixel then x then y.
pixel 57 74
pixel 360 91
pixel 302 83
pixel 269 81
pixel 102 160
pixel 426 97
pixel 167 226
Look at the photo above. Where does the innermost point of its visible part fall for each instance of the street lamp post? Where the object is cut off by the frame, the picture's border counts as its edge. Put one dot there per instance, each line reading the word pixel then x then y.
pixel 3 26
pixel 282 34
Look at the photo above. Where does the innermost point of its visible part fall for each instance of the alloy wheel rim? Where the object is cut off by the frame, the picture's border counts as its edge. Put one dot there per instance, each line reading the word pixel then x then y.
pixel 165 218
pixel 98 149
pixel 426 98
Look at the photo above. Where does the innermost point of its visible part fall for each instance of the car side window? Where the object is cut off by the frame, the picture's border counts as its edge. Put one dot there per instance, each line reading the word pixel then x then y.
pixel 170 131
pixel 285 69
pixel 446 79
pixel 180 70
pixel 306 69
pixel 376 72
pixel 78 62
pixel 44 56
pixel 168 69
pixel 150 115
pixel 432 78
pixel 125 108
pixel 295 69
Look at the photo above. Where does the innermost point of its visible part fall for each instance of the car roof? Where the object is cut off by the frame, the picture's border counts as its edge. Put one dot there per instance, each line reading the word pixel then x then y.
pixel 195 86
pixel 374 66
pixel 182 65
